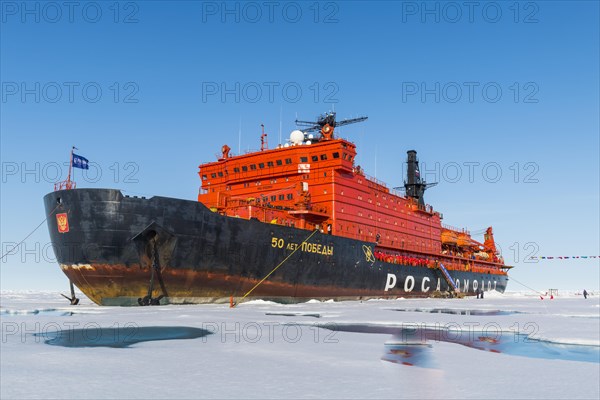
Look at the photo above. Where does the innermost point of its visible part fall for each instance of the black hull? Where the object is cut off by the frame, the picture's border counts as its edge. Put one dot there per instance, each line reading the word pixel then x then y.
pixel 206 257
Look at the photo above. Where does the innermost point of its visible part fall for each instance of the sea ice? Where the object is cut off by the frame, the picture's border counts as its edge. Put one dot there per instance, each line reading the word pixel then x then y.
pixel 503 346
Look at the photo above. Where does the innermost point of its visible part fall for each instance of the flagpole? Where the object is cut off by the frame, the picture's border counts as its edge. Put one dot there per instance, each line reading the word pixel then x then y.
pixel 70 166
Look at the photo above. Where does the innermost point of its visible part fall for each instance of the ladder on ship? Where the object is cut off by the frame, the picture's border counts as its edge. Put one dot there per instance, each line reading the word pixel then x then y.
pixel 447 277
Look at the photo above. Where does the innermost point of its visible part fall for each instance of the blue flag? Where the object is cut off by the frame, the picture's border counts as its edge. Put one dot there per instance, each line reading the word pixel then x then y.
pixel 80 162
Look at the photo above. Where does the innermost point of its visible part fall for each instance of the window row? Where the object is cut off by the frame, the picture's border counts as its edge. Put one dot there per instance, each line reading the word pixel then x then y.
pixel 270 164
pixel 323 157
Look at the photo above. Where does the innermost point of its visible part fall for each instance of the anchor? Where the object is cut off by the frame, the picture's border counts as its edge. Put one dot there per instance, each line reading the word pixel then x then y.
pixel 73 299
pixel 160 243
pixel 148 300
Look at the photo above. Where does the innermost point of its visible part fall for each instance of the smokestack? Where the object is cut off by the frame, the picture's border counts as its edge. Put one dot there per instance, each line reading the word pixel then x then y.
pixel 414 185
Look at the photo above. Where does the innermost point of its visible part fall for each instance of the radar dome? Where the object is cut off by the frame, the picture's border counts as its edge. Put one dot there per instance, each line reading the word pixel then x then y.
pixel 297 137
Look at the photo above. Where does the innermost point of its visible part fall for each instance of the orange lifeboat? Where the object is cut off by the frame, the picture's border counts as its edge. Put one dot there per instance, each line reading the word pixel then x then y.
pixel 449 237
pixel 463 240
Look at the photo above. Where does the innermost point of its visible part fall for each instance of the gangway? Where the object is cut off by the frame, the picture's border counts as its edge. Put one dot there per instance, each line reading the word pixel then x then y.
pixel 448 277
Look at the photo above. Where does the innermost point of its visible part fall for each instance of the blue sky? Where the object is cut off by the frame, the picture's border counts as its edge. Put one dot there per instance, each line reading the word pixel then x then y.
pixel 148 90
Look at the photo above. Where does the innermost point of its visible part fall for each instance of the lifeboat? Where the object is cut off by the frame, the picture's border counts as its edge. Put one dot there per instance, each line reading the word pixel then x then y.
pixel 449 237
pixel 463 240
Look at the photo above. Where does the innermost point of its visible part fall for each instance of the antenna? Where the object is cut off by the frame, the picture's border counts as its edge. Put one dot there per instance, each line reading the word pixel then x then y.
pixel 240 137
pixel 280 114
pixel 375 161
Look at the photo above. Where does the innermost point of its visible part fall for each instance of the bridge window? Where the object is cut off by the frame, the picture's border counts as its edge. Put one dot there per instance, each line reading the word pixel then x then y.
pixel 315 158
pixel 279 162
pixel 290 196
pixel 288 160
pixel 303 159
pixel 253 167
pixel 204 177
pixel 270 164
pixel 213 175
pixel 261 165
pixel 323 157
pixel 236 169
pixel 220 174
pixel 245 168
pixel 336 155
pixel 281 197
pixel 273 198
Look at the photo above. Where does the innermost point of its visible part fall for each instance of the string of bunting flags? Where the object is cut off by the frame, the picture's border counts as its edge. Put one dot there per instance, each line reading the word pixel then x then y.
pixel 559 257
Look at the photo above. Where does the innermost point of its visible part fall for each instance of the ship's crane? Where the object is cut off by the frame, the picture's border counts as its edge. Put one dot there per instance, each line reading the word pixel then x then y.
pixel 326 123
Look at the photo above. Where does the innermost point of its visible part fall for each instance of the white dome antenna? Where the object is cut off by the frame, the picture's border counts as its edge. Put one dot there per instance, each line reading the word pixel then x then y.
pixel 296 137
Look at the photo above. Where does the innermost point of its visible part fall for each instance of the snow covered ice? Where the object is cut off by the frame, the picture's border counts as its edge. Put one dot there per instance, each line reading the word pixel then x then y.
pixel 503 346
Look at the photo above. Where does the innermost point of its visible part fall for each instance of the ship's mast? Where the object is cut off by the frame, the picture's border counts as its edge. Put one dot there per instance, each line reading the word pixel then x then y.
pixel 263 139
pixel 326 124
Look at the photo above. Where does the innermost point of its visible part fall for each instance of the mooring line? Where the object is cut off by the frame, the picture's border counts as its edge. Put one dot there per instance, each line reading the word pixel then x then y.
pixel 30 233
pixel 280 264
pixel 524 285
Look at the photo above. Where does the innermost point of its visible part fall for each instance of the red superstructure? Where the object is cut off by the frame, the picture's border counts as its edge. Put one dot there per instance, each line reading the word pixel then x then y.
pixel 314 183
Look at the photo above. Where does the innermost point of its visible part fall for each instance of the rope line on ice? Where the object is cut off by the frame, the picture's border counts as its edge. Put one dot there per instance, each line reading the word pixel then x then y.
pixel 530 288
pixel 279 265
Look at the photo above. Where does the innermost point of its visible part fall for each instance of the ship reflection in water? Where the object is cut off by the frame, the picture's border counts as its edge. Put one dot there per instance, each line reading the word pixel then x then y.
pixel 455 311
pixel 415 345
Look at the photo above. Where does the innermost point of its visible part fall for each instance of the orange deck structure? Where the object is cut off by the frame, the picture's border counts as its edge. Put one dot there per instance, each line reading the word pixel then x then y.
pixel 314 183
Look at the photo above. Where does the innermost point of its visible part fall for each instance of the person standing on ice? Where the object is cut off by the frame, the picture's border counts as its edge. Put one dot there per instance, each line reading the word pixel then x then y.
pixel 585 294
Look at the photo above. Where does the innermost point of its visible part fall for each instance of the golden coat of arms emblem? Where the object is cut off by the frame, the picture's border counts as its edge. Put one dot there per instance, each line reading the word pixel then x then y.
pixel 62 222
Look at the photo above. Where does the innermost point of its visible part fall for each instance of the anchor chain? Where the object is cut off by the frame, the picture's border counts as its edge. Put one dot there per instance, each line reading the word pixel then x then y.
pixel 148 300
